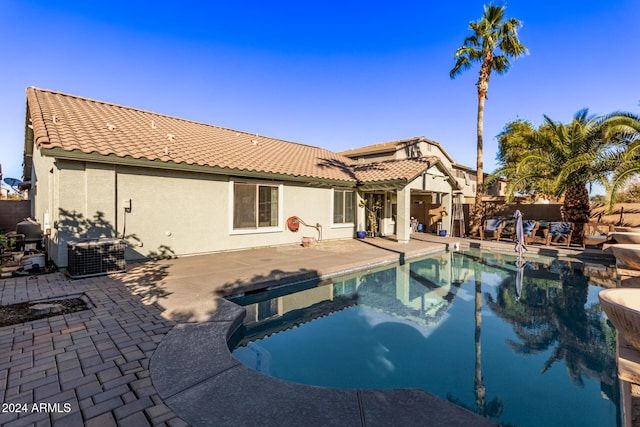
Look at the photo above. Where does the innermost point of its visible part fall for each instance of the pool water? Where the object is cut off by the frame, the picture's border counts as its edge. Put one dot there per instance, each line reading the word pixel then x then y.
pixel 521 346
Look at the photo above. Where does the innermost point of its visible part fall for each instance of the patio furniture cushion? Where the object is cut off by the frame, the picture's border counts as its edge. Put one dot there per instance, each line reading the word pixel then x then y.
pixel 492 224
pixel 492 228
pixel 528 226
pixel 539 234
pixel 507 228
pixel 596 239
pixel 560 229
pixel 596 234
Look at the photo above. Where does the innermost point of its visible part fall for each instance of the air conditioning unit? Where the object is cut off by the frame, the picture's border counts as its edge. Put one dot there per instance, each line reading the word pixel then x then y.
pixel 95 257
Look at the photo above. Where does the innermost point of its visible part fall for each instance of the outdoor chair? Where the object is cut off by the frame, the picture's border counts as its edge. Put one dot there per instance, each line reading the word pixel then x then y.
pixel 596 234
pixel 539 234
pixel 492 228
pixel 509 229
pixel 530 228
pixel 561 232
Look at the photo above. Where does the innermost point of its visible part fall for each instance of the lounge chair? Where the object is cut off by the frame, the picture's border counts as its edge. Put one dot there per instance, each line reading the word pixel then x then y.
pixel 492 228
pixel 539 234
pixel 509 229
pixel 596 234
pixel 561 232
pixel 530 228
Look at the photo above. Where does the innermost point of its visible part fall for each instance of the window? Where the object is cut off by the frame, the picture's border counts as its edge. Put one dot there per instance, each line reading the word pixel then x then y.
pixel 343 207
pixel 254 206
pixel 267 309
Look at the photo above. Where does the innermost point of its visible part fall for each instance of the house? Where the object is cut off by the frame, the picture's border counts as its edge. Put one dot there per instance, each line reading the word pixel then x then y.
pixel 420 146
pixel 171 186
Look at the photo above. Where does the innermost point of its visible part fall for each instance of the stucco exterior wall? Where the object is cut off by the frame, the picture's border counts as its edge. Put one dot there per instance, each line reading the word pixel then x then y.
pixel 428 149
pixel 181 214
pixel 171 213
pixel 41 179
pixel 436 184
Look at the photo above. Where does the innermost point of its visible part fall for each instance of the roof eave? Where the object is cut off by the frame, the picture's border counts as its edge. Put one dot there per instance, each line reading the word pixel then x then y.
pixel 393 184
pixel 447 174
pixel 357 154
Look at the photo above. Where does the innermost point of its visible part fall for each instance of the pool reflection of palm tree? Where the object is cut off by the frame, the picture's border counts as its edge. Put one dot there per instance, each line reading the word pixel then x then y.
pixel 493 408
pixel 478 384
pixel 553 312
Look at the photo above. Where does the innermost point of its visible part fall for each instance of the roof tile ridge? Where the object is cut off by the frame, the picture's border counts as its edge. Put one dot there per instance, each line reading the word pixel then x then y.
pixel 429 158
pixel 140 110
pixel 421 159
pixel 394 142
pixel 402 140
pixel 37 121
pixel 370 146
pixel 116 105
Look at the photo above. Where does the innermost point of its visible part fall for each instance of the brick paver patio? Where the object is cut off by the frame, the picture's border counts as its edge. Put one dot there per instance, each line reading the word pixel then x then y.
pixel 89 367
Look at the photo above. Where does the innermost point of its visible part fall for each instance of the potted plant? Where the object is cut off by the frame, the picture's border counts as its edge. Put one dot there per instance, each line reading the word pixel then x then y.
pixel 372 214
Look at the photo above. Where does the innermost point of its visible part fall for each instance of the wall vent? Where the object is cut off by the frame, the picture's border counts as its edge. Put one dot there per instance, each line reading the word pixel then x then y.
pixel 95 257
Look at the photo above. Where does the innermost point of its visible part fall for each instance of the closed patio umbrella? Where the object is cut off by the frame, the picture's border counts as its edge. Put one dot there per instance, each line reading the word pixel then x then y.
pixel 520 248
pixel 519 278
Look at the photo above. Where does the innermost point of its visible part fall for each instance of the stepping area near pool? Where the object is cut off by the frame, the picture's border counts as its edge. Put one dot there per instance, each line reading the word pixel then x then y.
pixel 152 349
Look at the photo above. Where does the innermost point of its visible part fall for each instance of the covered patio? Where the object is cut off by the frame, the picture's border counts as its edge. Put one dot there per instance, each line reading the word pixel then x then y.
pixel 426 197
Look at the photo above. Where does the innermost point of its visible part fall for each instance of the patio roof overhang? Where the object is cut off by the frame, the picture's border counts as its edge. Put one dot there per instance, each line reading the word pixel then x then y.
pixel 394 185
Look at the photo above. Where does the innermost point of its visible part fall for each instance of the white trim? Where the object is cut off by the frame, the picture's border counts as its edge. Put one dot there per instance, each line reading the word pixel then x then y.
pixel 343 225
pixel 331 208
pixel 261 230
pixel 258 230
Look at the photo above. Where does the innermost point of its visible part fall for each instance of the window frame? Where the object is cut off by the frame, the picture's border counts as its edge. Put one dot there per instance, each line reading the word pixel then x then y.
pixel 333 207
pixel 258 229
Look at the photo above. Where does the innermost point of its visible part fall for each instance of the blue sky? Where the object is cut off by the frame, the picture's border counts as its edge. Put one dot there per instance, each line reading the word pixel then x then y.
pixel 333 74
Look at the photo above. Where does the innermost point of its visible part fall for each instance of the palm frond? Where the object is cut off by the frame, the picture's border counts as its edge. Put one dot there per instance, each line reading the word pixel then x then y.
pixel 501 64
pixel 462 64
pixel 490 33
pixel 472 41
pixel 557 156
pixel 621 176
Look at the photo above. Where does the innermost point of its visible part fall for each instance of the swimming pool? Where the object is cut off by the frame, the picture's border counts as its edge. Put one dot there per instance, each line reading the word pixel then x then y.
pixel 523 346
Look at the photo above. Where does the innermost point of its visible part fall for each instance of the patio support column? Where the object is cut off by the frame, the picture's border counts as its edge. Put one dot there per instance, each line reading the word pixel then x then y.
pixel 403 283
pixel 446 201
pixel 360 213
pixel 403 225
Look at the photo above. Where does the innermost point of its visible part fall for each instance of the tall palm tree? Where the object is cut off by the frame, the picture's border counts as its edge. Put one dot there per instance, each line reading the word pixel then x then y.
pixel 563 159
pixel 493 44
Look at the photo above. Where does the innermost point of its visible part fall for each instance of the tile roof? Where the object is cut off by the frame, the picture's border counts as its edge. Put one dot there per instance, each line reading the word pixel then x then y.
pixel 77 124
pixel 393 170
pixel 392 146
pixel 384 147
